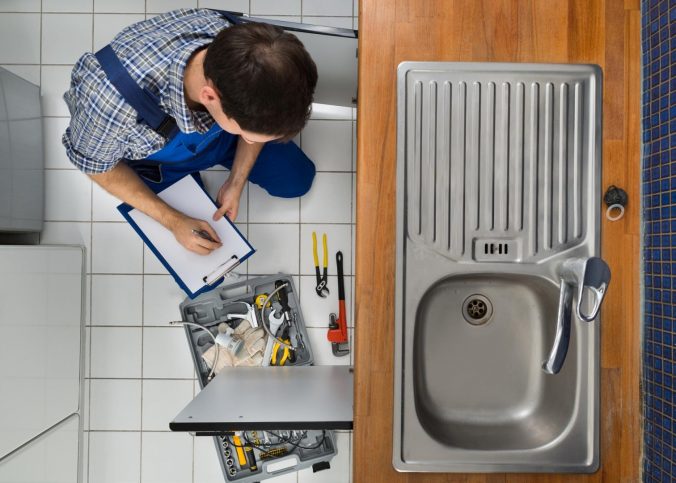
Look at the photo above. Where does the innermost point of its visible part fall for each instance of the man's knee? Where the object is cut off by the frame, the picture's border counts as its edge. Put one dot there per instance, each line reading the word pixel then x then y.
pixel 297 184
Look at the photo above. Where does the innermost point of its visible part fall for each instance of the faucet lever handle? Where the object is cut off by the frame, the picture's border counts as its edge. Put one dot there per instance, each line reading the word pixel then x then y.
pixel 595 280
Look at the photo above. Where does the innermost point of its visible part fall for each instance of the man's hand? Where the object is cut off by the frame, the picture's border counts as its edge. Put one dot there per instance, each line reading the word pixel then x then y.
pixel 231 191
pixel 183 227
pixel 228 199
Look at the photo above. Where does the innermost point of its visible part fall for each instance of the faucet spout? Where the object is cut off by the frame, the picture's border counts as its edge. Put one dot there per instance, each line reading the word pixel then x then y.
pixel 590 276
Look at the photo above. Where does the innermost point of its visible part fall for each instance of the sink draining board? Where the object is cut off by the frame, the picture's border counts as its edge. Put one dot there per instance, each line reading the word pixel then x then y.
pixel 497 157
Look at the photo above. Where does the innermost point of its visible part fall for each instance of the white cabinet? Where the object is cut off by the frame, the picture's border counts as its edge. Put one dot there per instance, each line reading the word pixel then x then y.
pixel 41 355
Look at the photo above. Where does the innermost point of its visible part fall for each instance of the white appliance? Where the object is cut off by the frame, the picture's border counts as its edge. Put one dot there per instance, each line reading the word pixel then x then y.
pixel 41 363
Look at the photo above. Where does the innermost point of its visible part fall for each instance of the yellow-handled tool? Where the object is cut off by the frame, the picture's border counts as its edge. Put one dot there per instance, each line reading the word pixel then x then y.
pixel 241 459
pixel 322 277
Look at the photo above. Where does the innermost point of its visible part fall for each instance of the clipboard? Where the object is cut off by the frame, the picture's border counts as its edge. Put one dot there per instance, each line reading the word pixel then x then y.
pixel 194 273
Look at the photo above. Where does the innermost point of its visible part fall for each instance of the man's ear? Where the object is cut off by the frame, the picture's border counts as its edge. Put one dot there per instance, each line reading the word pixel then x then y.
pixel 208 95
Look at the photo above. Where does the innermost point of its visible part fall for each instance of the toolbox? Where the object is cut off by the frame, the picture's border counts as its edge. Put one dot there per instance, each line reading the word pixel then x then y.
pixel 265 445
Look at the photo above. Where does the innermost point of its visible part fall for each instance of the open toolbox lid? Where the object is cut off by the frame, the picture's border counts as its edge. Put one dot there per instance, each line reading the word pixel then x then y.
pixel 261 398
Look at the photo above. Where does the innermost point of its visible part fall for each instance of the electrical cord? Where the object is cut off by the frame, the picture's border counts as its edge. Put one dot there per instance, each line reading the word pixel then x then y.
pixel 262 311
pixel 321 441
pixel 216 348
pixel 281 442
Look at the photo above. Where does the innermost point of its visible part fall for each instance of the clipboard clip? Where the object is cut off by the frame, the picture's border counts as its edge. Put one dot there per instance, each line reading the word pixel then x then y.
pixel 222 270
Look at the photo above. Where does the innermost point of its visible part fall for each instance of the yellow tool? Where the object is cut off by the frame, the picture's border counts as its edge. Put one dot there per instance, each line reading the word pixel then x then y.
pixel 285 353
pixel 322 278
pixel 260 299
pixel 282 352
pixel 241 458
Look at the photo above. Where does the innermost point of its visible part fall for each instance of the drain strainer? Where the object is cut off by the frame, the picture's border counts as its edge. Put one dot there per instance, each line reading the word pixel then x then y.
pixel 477 309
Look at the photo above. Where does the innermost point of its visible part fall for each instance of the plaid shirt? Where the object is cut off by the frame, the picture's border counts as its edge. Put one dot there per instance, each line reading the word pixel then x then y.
pixel 103 128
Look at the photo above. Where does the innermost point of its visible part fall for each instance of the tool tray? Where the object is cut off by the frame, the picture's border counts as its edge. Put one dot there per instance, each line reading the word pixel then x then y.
pixel 275 452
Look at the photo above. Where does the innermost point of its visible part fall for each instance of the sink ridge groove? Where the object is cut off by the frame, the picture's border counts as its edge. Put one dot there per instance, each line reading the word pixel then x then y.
pixel 497 158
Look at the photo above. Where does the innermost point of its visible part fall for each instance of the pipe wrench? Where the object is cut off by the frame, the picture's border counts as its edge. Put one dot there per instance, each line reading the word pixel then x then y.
pixel 337 334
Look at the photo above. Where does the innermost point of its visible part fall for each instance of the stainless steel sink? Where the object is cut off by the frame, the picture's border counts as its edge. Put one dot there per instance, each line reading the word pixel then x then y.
pixel 498 197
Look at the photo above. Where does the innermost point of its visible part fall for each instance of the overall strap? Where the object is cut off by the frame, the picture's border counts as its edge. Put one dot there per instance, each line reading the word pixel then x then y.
pixel 144 102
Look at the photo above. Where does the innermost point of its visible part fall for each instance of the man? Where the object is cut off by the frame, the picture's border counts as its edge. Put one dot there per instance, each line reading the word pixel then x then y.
pixel 182 92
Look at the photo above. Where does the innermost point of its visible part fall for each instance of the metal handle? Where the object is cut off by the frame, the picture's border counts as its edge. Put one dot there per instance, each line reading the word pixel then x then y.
pixel 594 283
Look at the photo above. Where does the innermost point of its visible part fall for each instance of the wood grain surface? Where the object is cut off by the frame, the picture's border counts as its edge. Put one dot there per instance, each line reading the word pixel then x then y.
pixel 576 31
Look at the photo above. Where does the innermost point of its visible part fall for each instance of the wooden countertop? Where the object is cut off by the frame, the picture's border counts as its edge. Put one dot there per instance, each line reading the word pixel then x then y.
pixel 605 32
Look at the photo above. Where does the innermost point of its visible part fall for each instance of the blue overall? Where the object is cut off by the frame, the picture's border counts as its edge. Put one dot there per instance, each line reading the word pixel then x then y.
pixel 282 169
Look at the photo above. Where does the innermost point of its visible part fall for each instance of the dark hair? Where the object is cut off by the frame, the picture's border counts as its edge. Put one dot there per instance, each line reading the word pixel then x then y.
pixel 265 77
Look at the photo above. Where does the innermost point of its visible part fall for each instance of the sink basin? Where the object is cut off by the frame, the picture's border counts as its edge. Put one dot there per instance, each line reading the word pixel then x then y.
pixel 498 181
pixel 476 363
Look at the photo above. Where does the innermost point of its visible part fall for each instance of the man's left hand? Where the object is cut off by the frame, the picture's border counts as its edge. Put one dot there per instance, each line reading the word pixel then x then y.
pixel 228 199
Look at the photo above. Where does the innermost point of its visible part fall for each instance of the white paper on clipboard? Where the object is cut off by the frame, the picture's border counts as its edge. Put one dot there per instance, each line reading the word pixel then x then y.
pixel 189 198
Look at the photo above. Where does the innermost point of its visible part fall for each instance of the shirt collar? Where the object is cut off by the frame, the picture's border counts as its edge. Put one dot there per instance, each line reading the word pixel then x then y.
pixel 186 119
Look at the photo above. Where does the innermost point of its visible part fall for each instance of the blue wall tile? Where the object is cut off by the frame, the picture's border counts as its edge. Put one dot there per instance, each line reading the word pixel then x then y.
pixel 658 32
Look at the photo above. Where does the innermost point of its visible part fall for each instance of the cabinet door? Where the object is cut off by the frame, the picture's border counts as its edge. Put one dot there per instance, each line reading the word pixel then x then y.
pixel 51 458
pixel 41 340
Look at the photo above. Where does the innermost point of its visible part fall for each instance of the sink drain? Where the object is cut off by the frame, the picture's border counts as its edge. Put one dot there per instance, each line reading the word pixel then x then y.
pixel 477 309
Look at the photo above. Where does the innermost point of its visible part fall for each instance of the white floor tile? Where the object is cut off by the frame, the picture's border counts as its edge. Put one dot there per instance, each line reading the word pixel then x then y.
pixel 271 209
pixel 340 465
pixel 115 404
pixel 65 37
pixel 151 263
pixel 68 233
pixel 334 8
pixel 104 205
pixel 117 299
pixel 116 249
pixel 167 458
pixel 162 401
pixel 20 38
pixel 214 179
pixel 316 310
pixel 116 352
pixel 55 154
pixel 275 7
pixel 20 6
pixel 337 239
pixel 166 353
pixel 107 26
pixel 328 144
pixel 339 22
pixel 67 5
pixel 321 348
pixel 232 5
pixel 161 298
pixel 119 6
pixel 67 196
pixel 161 6
pixel 114 457
pixel 206 467
pixel 277 249
pixel 54 82
pixel 329 200
pixel 31 73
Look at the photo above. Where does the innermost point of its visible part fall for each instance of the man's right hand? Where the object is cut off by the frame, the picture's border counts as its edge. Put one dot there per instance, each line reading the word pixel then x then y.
pixel 183 227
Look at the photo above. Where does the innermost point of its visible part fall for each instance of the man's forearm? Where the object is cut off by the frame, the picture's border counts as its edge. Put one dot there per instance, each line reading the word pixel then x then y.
pixel 245 158
pixel 123 183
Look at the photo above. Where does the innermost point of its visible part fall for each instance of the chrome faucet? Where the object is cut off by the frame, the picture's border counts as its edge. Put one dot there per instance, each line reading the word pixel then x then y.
pixel 591 277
